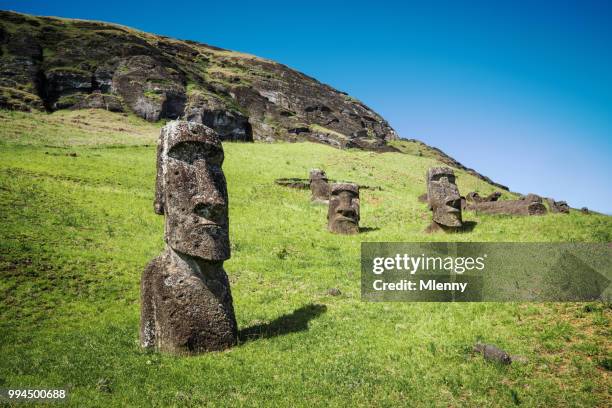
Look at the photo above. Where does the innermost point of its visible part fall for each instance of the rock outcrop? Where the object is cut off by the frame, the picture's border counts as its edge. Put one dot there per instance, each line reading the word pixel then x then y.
pixel 52 63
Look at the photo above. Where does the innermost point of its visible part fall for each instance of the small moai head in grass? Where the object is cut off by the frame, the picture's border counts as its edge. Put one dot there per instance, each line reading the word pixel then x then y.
pixel 494 196
pixel 558 206
pixel 319 185
pixel 191 191
pixel 343 212
pixel 444 198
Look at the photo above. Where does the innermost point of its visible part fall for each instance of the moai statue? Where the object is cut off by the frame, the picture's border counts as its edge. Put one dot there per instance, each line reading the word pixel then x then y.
pixel 494 196
pixel 531 198
pixel 319 186
pixel 186 303
pixel 558 206
pixel 343 212
pixel 444 200
pixel 509 207
pixel 473 197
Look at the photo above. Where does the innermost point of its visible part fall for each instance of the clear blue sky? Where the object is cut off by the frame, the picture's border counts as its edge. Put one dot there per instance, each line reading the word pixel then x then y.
pixel 520 91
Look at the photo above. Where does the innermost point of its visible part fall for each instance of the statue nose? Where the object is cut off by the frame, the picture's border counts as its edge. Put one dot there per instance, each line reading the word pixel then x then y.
pixel 213 209
pixel 454 202
pixel 346 211
pixel 349 213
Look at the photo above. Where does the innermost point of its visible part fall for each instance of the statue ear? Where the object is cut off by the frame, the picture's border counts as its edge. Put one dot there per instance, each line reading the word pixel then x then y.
pixel 158 204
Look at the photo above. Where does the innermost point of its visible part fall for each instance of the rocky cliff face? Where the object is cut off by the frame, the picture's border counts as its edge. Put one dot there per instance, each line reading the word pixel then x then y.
pixel 51 63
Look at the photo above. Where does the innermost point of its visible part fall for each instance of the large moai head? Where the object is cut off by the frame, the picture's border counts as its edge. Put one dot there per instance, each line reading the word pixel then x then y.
pixel 444 197
pixel 191 191
pixel 319 185
pixel 343 212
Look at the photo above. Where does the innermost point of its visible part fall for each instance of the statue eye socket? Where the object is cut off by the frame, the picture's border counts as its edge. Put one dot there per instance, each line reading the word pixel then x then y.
pixel 453 202
pixel 439 177
pixel 190 152
pixel 345 193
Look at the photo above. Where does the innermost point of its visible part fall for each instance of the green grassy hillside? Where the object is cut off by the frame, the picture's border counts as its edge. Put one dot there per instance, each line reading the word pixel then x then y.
pixel 77 231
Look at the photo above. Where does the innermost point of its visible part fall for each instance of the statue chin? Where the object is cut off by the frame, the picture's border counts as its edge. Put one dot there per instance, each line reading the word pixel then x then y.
pixel 449 222
pixel 448 218
pixel 210 246
pixel 346 225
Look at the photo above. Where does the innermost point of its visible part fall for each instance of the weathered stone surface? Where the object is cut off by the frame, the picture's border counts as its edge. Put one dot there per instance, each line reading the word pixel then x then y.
pixel 558 206
pixel 99 100
pixel 214 113
pixel 494 196
pixel 191 190
pixel 186 303
pixel 444 199
pixel 343 211
pixel 531 198
pixel 319 186
pixel 492 353
pixel 474 197
pixel 149 87
pixel 66 87
pixel 20 78
pixel 510 207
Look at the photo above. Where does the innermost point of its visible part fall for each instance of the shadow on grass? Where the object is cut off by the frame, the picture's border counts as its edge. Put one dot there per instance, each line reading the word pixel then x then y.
pixel 468 226
pixel 368 229
pixel 293 322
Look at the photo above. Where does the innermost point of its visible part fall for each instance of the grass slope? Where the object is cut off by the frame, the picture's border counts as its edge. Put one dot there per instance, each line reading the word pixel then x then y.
pixel 76 233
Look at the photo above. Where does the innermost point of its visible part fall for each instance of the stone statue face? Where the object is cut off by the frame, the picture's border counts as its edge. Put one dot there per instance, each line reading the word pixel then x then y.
pixel 192 192
pixel 319 186
pixel 444 197
pixel 343 213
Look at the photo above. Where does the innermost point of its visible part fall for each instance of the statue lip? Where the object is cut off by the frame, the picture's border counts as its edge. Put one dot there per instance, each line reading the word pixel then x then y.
pixel 343 218
pixel 209 226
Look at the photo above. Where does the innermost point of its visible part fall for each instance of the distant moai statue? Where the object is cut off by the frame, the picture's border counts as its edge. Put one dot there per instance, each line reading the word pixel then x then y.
pixel 558 206
pixel 343 211
pixel 186 303
pixel 444 200
pixel 509 207
pixel 319 186
pixel 474 197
